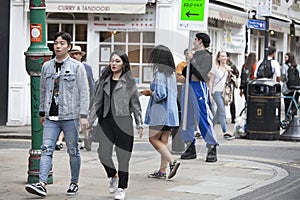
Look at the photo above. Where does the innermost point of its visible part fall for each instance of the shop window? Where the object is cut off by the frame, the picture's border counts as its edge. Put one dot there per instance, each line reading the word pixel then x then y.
pixel 120 36
pixel 119 47
pixel 137 45
pixel 135 70
pixel 134 53
pixel 52 29
pixel 81 33
pixel 134 37
pixel 78 31
pixel 148 37
pixel 146 53
pixel 67 28
pixel 105 36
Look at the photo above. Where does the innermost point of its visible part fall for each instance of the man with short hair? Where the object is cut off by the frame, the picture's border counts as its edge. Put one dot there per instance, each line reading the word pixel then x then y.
pixel 200 66
pixel 274 63
pixel 64 102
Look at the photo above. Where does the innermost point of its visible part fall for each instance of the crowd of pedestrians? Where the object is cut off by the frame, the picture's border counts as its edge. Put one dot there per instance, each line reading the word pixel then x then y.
pixel 70 101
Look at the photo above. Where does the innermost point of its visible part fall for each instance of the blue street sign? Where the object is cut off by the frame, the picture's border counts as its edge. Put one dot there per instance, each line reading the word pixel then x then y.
pixel 256 24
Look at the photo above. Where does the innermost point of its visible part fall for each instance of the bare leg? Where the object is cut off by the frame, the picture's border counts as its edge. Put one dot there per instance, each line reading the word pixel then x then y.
pixel 159 140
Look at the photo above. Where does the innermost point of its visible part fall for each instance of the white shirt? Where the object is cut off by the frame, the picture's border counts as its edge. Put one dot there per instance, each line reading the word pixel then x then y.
pixel 220 78
pixel 275 68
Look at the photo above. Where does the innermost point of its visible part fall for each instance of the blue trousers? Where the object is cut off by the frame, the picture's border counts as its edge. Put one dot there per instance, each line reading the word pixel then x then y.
pixel 198 109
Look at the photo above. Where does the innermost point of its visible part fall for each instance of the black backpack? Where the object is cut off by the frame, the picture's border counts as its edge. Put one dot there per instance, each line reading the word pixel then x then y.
pixel 293 79
pixel 265 70
pixel 245 76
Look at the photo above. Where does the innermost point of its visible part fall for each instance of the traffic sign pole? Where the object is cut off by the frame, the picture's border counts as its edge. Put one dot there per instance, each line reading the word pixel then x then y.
pixel 187 85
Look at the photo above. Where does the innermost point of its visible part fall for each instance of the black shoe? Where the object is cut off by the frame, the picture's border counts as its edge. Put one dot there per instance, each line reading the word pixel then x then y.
pixel 73 189
pixel 173 168
pixel 59 147
pixel 37 189
pixel 212 154
pixel 190 153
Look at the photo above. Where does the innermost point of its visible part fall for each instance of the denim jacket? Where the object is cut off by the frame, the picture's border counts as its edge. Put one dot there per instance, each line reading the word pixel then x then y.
pixel 73 100
pixel 162 106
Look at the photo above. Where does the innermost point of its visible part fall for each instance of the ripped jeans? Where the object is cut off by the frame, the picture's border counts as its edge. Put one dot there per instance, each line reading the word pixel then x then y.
pixel 50 135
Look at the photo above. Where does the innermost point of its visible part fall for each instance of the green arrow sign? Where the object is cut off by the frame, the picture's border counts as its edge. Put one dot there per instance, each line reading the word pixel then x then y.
pixel 192 10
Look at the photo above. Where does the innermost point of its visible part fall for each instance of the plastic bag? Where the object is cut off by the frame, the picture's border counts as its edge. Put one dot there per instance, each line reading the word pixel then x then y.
pixel 240 126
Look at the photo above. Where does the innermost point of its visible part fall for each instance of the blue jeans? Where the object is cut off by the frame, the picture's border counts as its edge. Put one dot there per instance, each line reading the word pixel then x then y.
pixel 220 115
pixel 50 134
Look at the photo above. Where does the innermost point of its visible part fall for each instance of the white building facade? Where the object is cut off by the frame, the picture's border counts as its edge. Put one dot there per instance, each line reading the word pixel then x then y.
pixel 136 26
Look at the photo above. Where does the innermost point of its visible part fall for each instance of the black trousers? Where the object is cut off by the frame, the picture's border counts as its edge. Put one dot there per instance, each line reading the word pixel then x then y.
pixel 116 131
pixel 232 106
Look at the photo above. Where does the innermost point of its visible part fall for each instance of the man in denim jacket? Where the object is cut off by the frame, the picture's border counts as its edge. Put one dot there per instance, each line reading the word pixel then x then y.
pixel 64 101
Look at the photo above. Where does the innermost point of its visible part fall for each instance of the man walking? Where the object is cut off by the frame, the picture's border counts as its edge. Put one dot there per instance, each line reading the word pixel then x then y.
pixel 64 102
pixel 200 66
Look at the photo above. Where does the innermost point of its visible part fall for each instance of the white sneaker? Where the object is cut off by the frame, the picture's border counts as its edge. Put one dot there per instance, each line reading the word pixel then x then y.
pixel 120 194
pixel 113 185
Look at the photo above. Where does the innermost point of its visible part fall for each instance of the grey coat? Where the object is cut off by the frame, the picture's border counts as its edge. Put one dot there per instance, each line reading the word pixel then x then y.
pixel 125 100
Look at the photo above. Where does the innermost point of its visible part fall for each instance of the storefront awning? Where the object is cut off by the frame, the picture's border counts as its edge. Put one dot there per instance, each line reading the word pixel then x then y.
pixel 227 14
pixel 95 6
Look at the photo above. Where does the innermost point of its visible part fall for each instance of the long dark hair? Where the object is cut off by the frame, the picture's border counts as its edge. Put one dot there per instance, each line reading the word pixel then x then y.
pixel 162 60
pixel 249 63
pixel 126 71
pixel 291 61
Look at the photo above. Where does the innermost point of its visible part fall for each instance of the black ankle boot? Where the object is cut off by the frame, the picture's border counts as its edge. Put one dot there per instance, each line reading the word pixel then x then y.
pixel 190 152
pixel 212 154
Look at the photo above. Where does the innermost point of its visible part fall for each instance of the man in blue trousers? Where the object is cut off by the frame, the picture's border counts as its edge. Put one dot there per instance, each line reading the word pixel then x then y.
pixel 198 100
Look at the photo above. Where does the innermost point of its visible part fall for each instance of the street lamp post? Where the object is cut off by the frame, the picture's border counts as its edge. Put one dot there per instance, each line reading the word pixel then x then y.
pixel 36 55
pixel 266 41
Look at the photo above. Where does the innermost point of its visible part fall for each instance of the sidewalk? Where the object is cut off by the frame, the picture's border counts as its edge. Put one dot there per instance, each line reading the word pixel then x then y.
pixel 227 178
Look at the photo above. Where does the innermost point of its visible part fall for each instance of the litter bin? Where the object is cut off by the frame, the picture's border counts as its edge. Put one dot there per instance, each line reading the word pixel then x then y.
pixel 263 109
pixel 177 143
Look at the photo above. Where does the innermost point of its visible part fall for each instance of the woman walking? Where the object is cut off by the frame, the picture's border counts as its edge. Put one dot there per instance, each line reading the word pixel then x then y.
pixel 115 100
pixel 218 77
pixel 162 110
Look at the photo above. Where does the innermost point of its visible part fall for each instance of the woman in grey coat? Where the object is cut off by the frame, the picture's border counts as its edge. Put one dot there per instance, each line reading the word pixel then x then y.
pixel 115 100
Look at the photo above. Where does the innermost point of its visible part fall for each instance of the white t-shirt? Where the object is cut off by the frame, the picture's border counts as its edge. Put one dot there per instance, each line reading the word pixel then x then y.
pixel 275 68
pixel 220 78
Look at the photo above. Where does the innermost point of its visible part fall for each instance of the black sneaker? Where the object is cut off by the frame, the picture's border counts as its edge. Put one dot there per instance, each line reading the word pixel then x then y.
pixel 37 189
pixel 73 189
pixel 173 168
pixel 157 174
